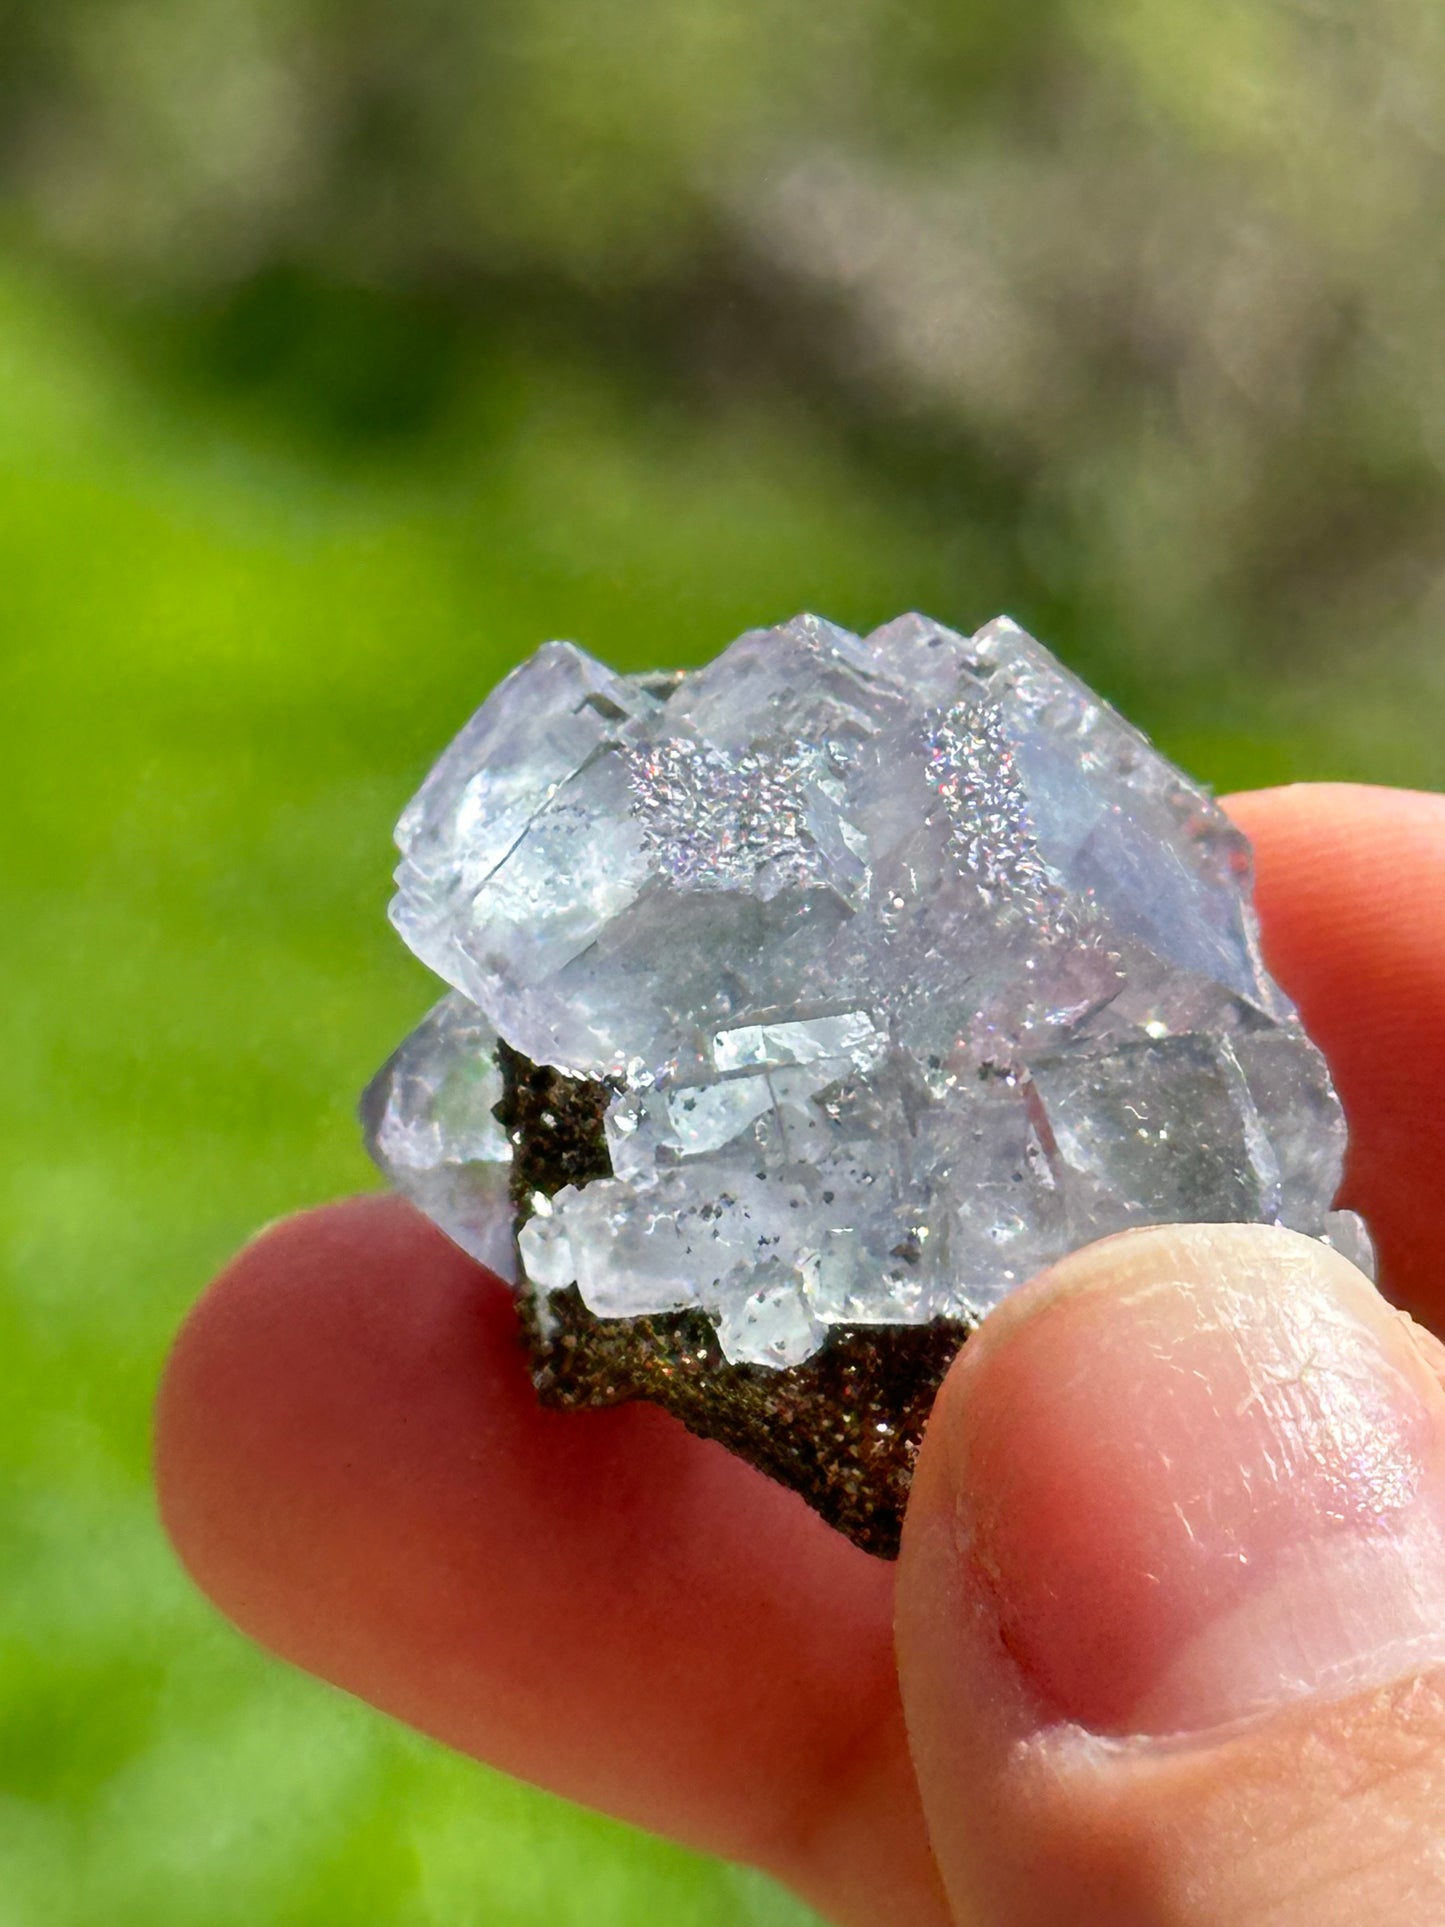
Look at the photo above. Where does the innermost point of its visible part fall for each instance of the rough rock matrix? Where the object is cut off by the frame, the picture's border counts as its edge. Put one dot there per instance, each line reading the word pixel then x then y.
pixel 804 1004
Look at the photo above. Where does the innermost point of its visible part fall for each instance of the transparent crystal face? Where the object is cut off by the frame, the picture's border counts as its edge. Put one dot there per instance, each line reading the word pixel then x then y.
pixel 910 966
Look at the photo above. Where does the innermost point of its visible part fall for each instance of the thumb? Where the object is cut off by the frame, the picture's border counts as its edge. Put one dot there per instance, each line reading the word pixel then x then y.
pixel 1171 1609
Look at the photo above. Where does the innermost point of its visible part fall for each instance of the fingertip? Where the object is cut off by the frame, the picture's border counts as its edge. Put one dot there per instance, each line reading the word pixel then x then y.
pixel 1350 887
pixel 322 1327
pixel 1170 1452
pixel 1175 1560
pixel 1352 862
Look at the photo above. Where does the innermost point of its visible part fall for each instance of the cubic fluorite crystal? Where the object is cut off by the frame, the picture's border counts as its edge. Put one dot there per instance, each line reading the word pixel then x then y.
pixel 804 1004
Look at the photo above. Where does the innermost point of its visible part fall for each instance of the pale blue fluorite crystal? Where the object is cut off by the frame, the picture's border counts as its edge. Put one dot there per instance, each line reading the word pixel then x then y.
pixel 909 963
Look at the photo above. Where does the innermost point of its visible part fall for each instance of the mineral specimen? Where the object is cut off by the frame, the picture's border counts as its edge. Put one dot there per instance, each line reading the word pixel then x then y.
pixel 804 1004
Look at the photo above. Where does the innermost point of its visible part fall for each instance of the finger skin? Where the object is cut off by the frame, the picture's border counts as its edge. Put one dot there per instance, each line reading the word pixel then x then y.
pixel 356 1469
pixel 1351 895
pixel 1327 1818
pixel 1324 1806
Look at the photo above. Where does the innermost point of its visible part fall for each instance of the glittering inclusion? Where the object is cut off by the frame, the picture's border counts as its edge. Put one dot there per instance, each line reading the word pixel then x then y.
pixel 804 1004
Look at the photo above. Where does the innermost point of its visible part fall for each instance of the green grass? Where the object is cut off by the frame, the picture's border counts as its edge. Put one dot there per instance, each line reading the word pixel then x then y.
pixel 227 652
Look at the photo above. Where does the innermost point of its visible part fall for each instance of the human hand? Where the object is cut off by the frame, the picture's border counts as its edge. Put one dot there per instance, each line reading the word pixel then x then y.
pixel 1190 1483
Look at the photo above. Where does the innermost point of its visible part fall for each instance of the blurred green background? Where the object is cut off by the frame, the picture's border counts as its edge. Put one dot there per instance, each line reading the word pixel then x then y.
pixel 347 351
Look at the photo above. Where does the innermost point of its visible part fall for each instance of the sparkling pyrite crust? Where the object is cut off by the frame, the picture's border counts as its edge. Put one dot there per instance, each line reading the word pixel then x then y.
pixel 804 1004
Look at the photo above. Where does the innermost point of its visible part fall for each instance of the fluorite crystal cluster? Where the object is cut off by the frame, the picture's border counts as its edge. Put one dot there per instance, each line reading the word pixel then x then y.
pixel 803 1004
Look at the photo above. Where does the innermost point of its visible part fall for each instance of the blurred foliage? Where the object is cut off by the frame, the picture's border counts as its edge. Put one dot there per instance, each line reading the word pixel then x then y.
pixel 348 350
pixel 1147 294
